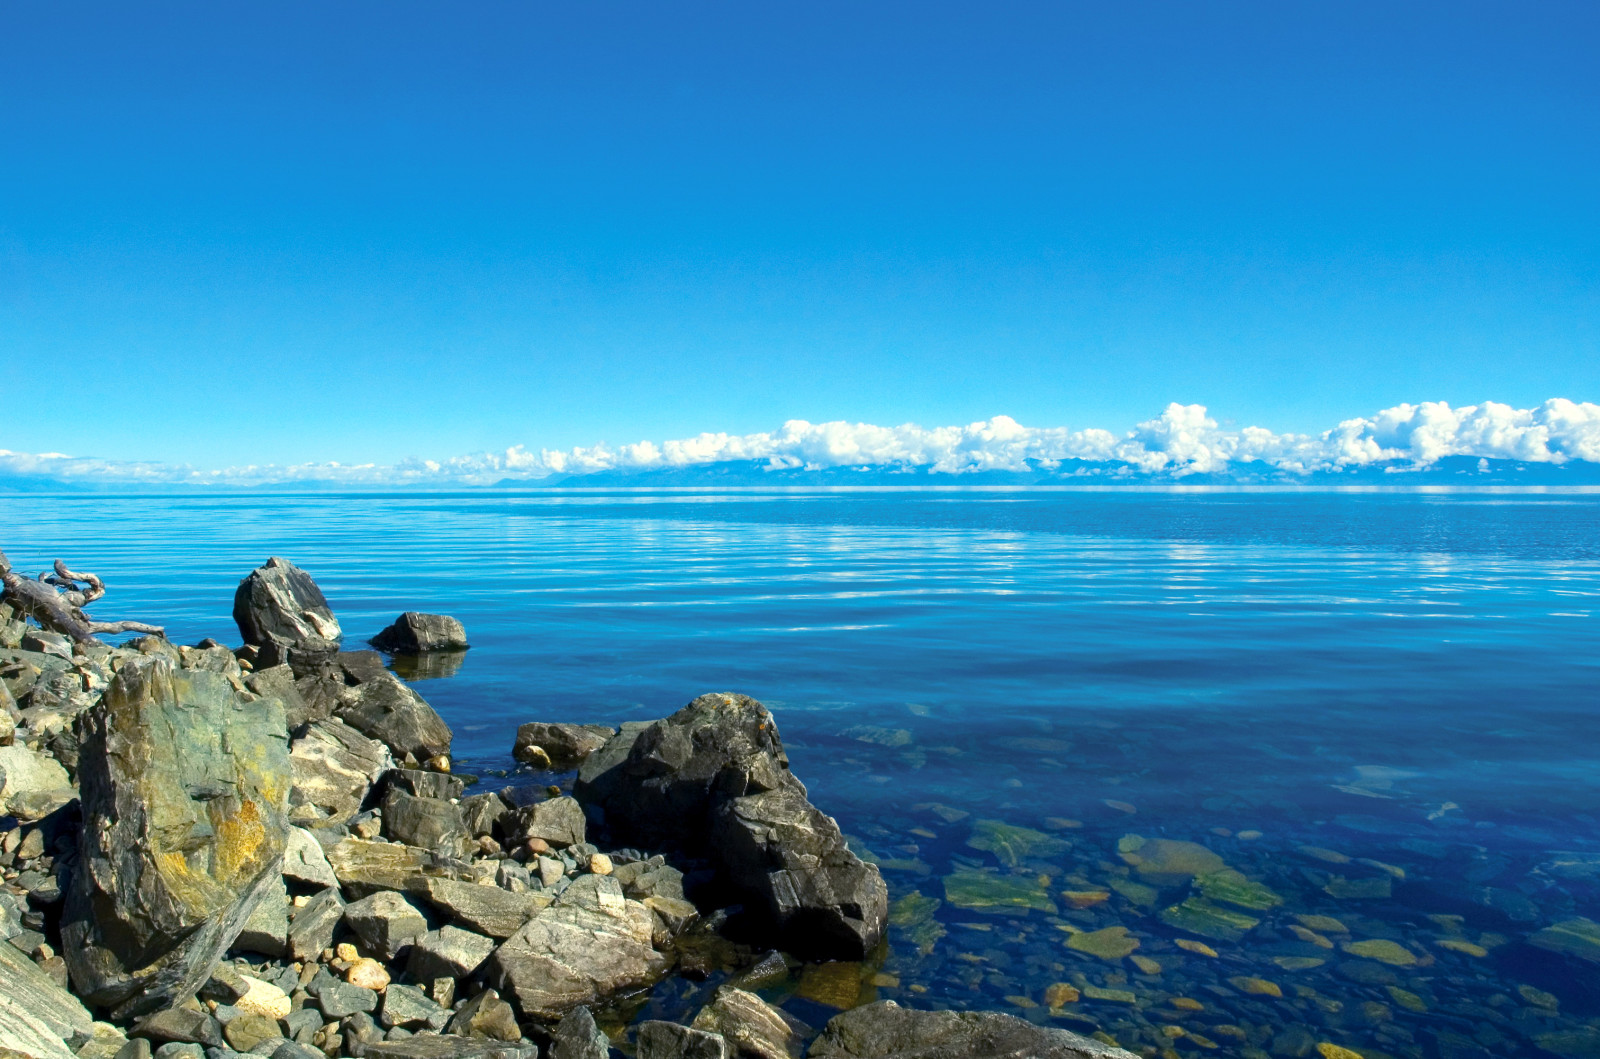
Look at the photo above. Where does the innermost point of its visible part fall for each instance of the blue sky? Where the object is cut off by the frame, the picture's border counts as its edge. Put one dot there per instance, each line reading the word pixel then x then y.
pixel 366 231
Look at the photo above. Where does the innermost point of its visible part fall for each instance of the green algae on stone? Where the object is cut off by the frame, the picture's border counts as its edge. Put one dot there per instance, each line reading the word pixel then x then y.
pixel 983 891
pixel 1578 937
pixel 1168 859
pixel 1383 950
pixel 1012 844
pixel 1110 944
pixel 1359 889
pixel 913 915
pixel 1571 1044
pixel 1135 893
pixel 1111 996
pixel 1199 916
pixel 1231 887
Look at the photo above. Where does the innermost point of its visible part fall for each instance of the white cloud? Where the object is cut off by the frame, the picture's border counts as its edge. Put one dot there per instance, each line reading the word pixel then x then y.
pixel 1182 440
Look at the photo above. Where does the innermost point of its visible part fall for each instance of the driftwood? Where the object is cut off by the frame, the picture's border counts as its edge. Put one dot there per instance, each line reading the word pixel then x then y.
pixel 56 601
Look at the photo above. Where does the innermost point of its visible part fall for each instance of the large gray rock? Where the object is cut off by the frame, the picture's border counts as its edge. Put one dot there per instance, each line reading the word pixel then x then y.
pixel 305 863
pixel 278 682
pixel 280 610
pixel 487 910
pixel 24 772
pixel 558 821
pixel 267 929
pixel 386 921
pixel 714 781
pixel 559 746
pixel 185 785
pixel 449 952
pixel 668 1040
pixel 413 632
pixel 37 1017
pixel 314 923
pixel 886 1030
pixel 429 823
pixel 591 943
pixel 388 711
pixel 577 1037
pixel 334 768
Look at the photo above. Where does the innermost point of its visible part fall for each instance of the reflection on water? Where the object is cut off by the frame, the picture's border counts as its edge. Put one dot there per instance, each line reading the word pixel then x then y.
pixel 1243 774
pixel 429 665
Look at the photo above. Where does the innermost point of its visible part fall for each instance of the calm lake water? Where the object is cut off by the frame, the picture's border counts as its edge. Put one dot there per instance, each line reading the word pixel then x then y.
pixel 1340 746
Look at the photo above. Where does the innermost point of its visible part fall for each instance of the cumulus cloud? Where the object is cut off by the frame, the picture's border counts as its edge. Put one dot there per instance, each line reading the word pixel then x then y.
pixel 1183 440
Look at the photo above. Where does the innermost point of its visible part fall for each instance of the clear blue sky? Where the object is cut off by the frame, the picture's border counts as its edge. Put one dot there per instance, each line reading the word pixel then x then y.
pixel 360 230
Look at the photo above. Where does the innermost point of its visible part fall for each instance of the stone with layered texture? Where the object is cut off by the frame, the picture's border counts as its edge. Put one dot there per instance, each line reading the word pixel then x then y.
pixel 886 1030
pixel 559 746
pixel 753 1028
pixel 334 766
pixel 577 1037
pixel 413 633
pixel 714 781
pixel 388 711
pixel 365 867
pixel 280 610
pixel 37 1017
pixel 185 787
pixel 591 943
pixel 487 910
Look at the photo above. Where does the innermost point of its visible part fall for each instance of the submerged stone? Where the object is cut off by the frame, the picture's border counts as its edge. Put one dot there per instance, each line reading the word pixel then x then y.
pixel 885 1030
pixel 1383 950
pixel 1359 889
pixel 1111 943
pixel 988 892
pixel 1167 859
pixel 1199 916
pixel 1578 937
pixel 913 915
pixel 838 985
pixel 1012 844
pixel 1231 887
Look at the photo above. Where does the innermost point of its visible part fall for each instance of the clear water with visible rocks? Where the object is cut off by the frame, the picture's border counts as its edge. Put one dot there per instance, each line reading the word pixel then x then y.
pixel 1206 771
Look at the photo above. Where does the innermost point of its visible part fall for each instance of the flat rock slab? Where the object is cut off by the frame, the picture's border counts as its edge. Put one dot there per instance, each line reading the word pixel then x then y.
pixel 37 1017
pixel 185 788
pixel 447 1046
pixel 487 910
pixel 886 1030
pixel 364 867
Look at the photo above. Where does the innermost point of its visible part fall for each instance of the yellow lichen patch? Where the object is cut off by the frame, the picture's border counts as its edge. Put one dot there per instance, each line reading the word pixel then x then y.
pixel 1183 1003
pixel 1333 1051
pixel 1466 948
pixel 1255 986
pixel 1325 924
pixel 239 837
pixel 1199 948
pixel 1059 994
pixel 1310 936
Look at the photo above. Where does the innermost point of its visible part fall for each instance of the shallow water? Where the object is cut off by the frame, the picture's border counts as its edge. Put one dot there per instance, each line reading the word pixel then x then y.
pixel 1377 706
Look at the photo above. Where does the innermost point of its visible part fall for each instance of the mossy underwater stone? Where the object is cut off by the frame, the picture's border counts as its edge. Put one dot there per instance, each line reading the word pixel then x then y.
pixel 1231 887
pixel 1012 844
pixel 1110 944
pixel 1167 860
pixel 1578 937
pixel 1383 950
pixel 983 891
pixel 1199 916
pixel 913 915
pixel 185 786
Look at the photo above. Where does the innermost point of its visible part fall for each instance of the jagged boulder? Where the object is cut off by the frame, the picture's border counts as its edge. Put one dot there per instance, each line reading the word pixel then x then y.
pixel 559 746
pixel 754 1028
pixel 714 781
pixel 185 786
pixel 886 1030
pixel 388 711
pixel 591 943
pixel 334 766
pixel 413 633
pixel 283 614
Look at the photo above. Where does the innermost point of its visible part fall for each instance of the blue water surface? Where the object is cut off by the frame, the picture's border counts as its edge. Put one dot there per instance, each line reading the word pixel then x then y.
pixel 1404 683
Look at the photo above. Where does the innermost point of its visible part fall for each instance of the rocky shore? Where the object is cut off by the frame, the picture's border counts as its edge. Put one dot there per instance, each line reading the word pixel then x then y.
pixel 210 851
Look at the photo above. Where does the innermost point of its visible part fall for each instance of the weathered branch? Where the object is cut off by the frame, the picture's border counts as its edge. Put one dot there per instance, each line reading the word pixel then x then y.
pixel 62 611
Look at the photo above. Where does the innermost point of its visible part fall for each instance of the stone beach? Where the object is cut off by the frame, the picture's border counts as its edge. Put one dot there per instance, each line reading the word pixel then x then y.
pixel 267 850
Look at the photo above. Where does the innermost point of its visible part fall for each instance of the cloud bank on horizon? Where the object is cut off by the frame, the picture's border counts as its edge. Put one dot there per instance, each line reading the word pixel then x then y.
pixel 1182 441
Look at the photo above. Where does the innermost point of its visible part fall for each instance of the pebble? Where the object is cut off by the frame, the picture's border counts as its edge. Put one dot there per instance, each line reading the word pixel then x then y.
pixel 368 974
pixel 263 998
pixel 1060 993
pixel 600 864
pixel 1199 948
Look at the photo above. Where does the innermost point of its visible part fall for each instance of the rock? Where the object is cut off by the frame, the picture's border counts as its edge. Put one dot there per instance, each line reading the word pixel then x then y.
pixel 561 746
pixel 600 864
pixel 293 1050
pixel 263 998
pixel 314 923
pixel 24 771
pixel 186 1050
pixel 305 863
pixel 334 768
pixel 278 682
pixel 247 1031
pixel 225 985
pixel 753 1028
pixel 367 973
pixel 413 633
pixel 713 780
pixel 386 921
pixel 591 943
pixel 185 798
pixel 106 1043
pixel 820 898
pixel 388 711
pixel 341 999
pixel 559 822
pixel 365 868
pixel 38 1018
pixel 886 1030
pixel 1011 844
pixel 1110 944
pixel 1199 916
pixel 281 611
pixel 180 1025
pixel 675 916
pixel 405 1005
pixel 447 1046
pixel 449 952
pixel 668 1040
pixel 422 784
pixel 1578 937
pixel 577 1037
pixel 486 1017
pixel 267 929
pixel 487 910
pixel 428 823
